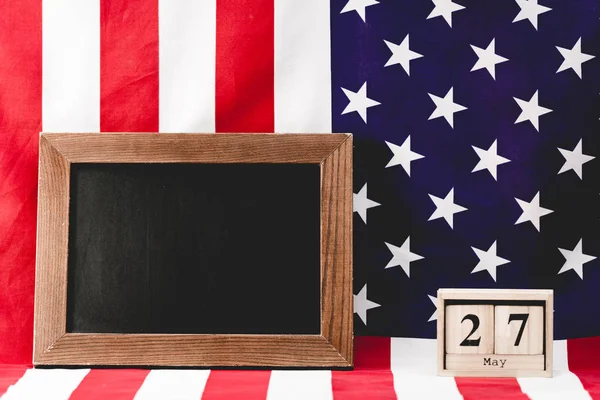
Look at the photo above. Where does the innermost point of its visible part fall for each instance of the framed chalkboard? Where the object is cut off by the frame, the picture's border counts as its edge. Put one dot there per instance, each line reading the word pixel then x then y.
pixel 194 250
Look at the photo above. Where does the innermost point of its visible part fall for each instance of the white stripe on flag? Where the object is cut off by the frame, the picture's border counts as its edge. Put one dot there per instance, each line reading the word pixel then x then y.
pixel 173 384
pixel 71 65
pixel 563 385
pixel 414 366
pixel 302 66
pixel 187 46
pixel 47 384
pixel 301 385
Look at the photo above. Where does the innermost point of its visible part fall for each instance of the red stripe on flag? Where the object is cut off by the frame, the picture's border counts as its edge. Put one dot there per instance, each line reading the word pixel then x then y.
pixel 9 376
pixel 129 65
pixel 371 352
pixel 116 384
pixel 583 361
pixel 372 377
pixel 20 124
pixel 245 83
pixel 233 385
pixel 490 388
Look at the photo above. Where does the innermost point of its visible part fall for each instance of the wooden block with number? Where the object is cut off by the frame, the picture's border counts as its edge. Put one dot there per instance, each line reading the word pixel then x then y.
pixel 519 330
pixel 495 332
pixel 470 329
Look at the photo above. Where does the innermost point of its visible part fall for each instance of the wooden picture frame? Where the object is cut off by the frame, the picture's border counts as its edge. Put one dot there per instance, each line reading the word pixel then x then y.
pixel 332 348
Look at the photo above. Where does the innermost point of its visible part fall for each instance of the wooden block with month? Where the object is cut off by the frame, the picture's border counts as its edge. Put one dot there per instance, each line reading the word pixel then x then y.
pixel 495 332
pixel 519 330
pixel 470 329
pixel 498 364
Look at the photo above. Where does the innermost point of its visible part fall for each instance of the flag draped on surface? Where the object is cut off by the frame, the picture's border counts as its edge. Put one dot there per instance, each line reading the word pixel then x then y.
pixel 476 131
pixel 386 368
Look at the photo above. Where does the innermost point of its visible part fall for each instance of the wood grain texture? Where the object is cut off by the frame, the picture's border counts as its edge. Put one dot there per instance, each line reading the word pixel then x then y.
pixel 495 294
pixel 337 307
pixel 193 350
pixel 466 365
pixel 441 334
pixel 332 348
pixel 511 365
pixel 52 243
pixel 459 329
pixel 549 331
pixel 205 148
pixel 507 330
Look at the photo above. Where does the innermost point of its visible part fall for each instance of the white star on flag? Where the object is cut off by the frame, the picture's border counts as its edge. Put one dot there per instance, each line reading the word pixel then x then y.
pixel 445 208
pixel 401 54
pixel 403 155
pixel 573 58
pixel 361 203
pixel 362 304
pixel 532 211
pixel 489 159
pixel 530 9
pixel 575 259
pixel 444 8
pixel 575 159
pixel 434 301
pixel 488 58
pixel 359 102
pixel 488 261
pixel 358 6
pixel 402 256
pixel 531 111
pixel 445 107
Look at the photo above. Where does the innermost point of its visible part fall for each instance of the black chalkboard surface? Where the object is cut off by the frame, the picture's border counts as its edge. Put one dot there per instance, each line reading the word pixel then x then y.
pixel 194 248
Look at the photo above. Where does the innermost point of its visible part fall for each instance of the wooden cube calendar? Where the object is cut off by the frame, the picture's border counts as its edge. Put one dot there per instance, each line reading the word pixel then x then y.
pixel 495 332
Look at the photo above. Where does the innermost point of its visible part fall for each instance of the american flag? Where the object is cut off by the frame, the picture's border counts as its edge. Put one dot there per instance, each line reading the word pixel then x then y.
pixel 386 368
pixel 476 145
pixel 476 151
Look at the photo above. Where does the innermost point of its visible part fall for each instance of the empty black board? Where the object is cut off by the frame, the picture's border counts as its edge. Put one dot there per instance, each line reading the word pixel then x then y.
pixel 194 248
